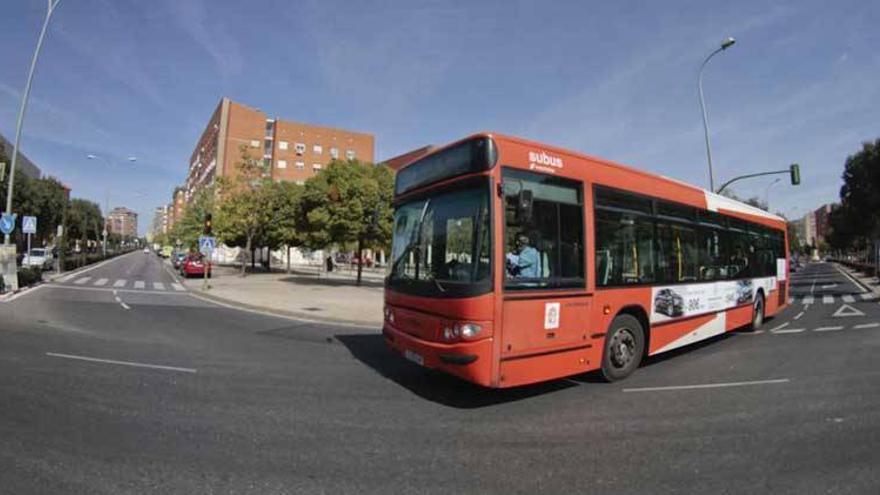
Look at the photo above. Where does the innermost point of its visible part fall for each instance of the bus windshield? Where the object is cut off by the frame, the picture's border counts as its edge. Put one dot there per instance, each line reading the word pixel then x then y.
pixel 440 245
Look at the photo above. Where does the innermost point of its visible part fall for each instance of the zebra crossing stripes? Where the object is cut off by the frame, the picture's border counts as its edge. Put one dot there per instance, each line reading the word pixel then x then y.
pixel 827 299
pixel 808 300
pixel 82 281
pixel 833 298
pixel 120 283
pixel 177 286
pixel 848 298
pixel 139 284
pixel 158 286
pixel 101 281
pixel 867 295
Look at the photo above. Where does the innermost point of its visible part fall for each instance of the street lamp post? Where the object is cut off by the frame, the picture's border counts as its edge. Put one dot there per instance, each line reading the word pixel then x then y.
pixel 725 44
pixel 22 107
pixel 92 156
pixel 767 192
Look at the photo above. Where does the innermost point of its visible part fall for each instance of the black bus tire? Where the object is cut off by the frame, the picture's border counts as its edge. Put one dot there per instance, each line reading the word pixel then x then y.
pixel 623 349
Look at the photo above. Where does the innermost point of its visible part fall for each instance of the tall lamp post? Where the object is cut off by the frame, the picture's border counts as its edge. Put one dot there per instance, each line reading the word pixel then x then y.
pixel 23 106
pixel 767 192
pixel 92 156
pixel 725 44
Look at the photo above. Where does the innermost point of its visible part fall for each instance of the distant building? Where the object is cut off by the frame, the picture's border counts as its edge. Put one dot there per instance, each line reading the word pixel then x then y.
pixel 23 165
pixel 122 221
pixel 817 225
pixel 291 151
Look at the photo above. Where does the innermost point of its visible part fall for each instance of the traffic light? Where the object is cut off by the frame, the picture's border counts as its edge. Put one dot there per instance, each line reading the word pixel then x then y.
pixel 207 224
pixel 795 170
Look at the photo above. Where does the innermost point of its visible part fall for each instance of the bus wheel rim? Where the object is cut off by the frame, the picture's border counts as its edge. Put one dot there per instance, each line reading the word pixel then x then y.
pixel 623 344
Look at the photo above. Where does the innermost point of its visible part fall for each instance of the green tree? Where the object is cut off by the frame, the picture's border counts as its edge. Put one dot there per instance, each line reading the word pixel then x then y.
pixel 349 202
pixel 282 229
pixel 856 221
pixel 244 209
pixel 84 221
pixel 192 224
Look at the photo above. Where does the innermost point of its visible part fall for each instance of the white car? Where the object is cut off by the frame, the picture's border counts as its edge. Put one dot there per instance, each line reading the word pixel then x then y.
pixel 146 250
pixel 38 257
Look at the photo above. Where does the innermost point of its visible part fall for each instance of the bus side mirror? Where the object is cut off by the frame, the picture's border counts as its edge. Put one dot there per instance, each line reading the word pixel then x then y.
pixel 524 206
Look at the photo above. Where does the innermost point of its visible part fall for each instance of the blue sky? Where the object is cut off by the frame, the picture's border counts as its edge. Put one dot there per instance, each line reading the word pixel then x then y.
pixel 612 79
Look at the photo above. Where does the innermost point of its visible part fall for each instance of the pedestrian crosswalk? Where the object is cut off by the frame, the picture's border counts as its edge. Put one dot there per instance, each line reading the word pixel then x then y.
pixel 124 284
pixel 833 299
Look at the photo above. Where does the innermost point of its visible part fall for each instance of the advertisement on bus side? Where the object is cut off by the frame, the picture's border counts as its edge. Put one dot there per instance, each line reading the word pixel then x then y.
pixel 678 301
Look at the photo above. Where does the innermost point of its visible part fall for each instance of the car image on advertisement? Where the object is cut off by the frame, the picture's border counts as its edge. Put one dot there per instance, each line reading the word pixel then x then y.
pixel 745 291
pixel 669 303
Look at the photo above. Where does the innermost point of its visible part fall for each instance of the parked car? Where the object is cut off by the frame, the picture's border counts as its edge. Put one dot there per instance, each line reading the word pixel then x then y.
pixel 177 258
pixel 39 257
pixel 146 250
pixel 194 266
pixel 166 251
pixel 669 303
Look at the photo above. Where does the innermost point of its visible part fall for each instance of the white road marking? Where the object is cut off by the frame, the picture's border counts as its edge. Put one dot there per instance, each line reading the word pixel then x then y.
pixel 120 283
pixel 848 276
pixel 828 329
pixel 158 286
pixel 177 286
pixel 846 310
pixel 707 385
pixel 827 299
pixel 123 363
pixel 798 316
pixel 101 281
pixel 829 286
pixel 82 281
pixel 848 298
pixel 808 300
pixel 779 327
pixel 867 295
pixel 80 271
pixel 867 325
pixel 791 330
pixel 139 284
pixel 126 306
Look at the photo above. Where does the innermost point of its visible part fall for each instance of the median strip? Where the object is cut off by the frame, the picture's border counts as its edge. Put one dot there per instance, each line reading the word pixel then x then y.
pixel 707 385
pixel 122 363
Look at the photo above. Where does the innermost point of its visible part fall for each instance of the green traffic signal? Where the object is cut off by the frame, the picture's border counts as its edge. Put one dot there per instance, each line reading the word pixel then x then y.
pixel 795 170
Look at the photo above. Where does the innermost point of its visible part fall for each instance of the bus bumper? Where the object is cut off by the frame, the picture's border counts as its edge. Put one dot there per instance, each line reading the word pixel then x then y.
pixel 469 361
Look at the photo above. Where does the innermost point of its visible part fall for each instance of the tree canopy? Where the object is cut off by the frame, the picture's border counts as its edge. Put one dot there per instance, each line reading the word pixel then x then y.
pixel 856 221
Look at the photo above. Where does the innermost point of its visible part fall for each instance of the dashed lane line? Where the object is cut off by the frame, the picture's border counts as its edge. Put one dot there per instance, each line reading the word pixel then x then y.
pixel 866 325
pixel 790 330
pixel 798 316
pixel 828 329
pixel 707 385
pixel 122 363
pixel 780 327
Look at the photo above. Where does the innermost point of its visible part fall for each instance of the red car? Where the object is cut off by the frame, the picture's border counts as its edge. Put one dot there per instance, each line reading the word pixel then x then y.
pixel 194 265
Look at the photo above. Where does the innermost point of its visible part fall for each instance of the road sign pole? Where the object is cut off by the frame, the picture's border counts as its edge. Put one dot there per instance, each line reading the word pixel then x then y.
pixel 29 249
pixel 205 285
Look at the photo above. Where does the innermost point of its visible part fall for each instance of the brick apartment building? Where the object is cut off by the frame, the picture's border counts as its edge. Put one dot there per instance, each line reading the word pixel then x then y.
pixel 122 221
pixel 292 151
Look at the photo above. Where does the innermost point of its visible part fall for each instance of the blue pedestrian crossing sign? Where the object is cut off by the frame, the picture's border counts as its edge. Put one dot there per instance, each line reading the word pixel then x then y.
pixel 7 223
pixel 206 244
pixel 29 225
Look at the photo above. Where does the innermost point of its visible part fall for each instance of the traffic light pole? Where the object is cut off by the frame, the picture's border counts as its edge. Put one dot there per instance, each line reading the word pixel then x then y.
pixel 794 171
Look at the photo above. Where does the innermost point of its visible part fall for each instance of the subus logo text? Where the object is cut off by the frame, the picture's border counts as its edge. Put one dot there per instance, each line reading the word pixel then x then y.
pixel 541 160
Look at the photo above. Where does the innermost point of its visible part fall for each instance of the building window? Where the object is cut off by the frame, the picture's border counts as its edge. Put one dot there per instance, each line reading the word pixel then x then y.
pixel 300 148
pixel 334 153
pixel 282 145
pixel 255 143
pixel 300 166
pixel 316 167
pixel 282 164
pixel 349 155
pixel 317 149
pixel 270 129
pixel 300 182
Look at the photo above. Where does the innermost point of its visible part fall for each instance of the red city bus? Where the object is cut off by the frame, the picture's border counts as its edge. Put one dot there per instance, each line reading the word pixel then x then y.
pixel 514 262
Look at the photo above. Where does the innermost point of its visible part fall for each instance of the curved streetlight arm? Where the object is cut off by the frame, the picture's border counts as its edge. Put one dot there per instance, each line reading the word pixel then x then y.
pixel 23 107
pixel 705 118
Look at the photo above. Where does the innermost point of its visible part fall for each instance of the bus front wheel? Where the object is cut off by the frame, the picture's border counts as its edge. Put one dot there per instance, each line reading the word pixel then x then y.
pixel 758 312
pixel 624 348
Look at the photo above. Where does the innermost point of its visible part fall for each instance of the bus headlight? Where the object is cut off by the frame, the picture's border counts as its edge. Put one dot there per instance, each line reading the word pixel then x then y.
pixel 461 331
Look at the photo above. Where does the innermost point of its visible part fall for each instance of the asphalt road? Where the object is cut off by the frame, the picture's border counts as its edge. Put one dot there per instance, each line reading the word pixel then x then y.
pixel 238 402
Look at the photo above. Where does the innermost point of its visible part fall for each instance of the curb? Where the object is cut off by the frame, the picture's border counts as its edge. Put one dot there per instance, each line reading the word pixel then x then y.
pixel 858 280
pixel 291 315
pixel 8 296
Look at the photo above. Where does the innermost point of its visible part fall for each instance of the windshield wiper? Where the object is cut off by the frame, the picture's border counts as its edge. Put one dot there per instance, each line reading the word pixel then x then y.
pixel 415 240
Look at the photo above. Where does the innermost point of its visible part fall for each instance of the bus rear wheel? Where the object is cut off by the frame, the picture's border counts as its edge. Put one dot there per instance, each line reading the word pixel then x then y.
pixel 624 348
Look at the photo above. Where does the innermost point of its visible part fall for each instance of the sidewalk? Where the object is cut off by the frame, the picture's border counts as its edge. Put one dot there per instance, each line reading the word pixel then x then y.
pixel 301 294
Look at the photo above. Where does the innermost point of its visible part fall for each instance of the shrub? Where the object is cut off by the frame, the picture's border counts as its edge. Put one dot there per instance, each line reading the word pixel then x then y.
pixel 29 276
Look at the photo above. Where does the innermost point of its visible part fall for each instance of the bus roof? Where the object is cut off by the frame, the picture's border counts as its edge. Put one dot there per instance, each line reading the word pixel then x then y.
pixel 714 201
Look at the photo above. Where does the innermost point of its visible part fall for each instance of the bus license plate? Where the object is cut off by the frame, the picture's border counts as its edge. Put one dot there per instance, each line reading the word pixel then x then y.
pixel 414 357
